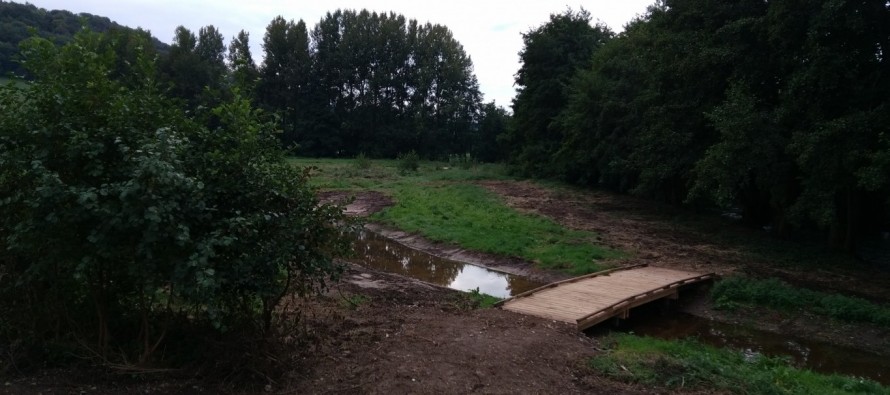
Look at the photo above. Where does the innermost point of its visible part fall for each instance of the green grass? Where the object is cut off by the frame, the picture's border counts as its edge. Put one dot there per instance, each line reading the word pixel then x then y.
pixel 470 216
pixel 733 292
pixel 362 173
pixel 440 202
pixel 692 365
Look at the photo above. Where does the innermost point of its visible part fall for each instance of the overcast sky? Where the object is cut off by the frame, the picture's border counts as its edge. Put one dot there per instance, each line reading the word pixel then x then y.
pixel 488 29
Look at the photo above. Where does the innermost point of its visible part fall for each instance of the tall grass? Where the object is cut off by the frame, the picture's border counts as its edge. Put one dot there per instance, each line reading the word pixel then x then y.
pixel 691 365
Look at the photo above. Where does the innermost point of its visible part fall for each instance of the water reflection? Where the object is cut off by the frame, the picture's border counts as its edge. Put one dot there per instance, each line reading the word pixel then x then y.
pixel 378 252
pixel 816 356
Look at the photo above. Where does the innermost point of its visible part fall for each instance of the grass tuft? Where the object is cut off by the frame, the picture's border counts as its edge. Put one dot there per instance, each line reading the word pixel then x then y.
pixel 408 162
pixel 362 162
pixel 479 300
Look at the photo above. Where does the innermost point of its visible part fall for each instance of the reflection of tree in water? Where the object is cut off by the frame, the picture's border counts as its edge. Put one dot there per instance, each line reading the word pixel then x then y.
pixel 517 285
pixel 375 251
pixel 378 252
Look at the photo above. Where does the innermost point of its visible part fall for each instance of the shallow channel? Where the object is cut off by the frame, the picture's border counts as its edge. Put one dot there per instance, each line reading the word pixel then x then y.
pixel 380 253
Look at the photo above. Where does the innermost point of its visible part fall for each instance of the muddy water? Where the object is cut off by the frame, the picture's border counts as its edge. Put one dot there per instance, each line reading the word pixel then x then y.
pixel 380 253
pixel 656 321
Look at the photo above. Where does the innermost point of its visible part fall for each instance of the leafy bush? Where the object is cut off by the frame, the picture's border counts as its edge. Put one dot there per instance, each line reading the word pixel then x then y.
pixel 733 292
pixel 408 162
pixel 121 219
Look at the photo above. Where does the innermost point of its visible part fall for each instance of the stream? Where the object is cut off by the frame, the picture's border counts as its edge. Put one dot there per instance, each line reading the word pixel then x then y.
pixel 383 254
pixel 653 320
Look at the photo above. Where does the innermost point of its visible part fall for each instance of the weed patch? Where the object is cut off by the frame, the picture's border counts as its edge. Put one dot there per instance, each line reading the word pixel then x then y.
pixel 353 301
pixel 479 300
pixel 689 364
pixel 408 162
pixel 362 162
pixel 734 292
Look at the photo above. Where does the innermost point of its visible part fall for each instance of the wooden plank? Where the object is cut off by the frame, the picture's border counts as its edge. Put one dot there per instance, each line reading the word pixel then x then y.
pixel 591 299
pixel 571 280
pixel 574 309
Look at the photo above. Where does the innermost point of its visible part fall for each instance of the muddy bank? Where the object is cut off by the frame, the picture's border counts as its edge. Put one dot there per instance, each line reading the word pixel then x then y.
pixel 365 203
pixel 511 265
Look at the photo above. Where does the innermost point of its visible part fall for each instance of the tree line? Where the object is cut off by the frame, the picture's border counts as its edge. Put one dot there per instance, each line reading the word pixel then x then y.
pixel 776 109
pixel 359 82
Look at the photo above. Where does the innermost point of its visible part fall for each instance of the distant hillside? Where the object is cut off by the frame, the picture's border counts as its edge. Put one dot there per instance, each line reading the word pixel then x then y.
pixel 18 20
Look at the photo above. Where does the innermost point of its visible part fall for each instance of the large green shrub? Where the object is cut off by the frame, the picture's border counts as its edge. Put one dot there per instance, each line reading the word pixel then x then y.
pixel 121 218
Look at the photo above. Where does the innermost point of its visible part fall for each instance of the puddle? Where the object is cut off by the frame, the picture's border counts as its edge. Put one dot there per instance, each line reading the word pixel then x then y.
pixel 378 252
pixel 817 356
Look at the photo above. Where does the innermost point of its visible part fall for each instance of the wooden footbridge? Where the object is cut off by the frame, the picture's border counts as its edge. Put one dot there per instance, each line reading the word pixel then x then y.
pixel 588 300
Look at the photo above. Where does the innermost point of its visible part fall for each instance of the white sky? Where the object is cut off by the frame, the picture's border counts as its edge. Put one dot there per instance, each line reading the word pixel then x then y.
pixel 488 29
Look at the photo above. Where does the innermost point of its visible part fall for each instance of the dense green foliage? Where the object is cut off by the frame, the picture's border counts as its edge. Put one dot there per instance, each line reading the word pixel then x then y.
pixel 733 292
pixel 690 365
pixel 778 109
pixel 194 69
pixel 440 202
pixel 553 53
pixel 59 26
pixel 363 82
pixel 122 219
pixel 358 82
